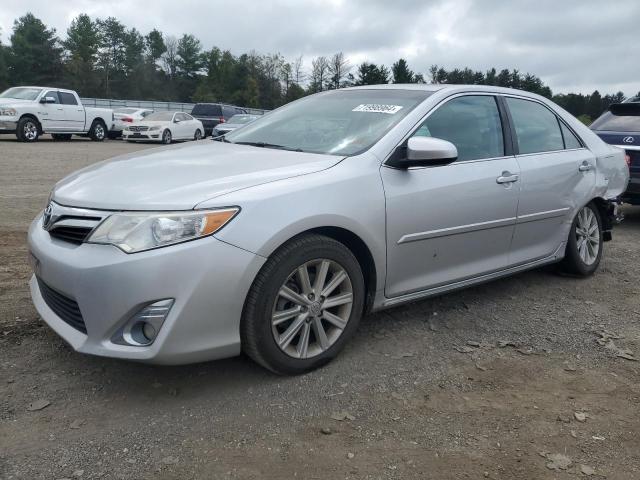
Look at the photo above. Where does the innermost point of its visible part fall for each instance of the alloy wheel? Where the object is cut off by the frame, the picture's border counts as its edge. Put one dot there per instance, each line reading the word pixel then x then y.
pixel 99 131
pixel 30 131
pixel 587 236
pixel 312 308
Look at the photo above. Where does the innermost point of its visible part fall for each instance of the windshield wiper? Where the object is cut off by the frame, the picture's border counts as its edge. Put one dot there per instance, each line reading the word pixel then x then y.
pixel 268 145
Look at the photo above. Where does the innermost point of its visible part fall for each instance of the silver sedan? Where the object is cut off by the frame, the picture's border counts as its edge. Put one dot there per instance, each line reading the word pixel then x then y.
pixel 277 239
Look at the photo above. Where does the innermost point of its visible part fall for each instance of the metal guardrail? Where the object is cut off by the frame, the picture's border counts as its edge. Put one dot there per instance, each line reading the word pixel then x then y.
pixel 151 105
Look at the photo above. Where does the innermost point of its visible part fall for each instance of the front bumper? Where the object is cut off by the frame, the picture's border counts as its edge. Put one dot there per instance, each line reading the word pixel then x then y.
pixel 208 279
pixel 148 136
pixel 8 124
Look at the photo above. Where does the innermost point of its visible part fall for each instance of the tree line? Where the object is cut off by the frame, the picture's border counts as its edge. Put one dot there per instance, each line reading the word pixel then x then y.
pixel 103 58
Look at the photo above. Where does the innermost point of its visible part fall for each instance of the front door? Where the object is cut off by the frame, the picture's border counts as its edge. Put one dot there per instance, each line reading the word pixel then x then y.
pixel 453 222
pixel 557 175
pixel 52 114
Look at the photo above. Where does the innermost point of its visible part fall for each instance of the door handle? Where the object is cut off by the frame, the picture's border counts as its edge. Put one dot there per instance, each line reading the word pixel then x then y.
pixel 507 177
pixel 585 167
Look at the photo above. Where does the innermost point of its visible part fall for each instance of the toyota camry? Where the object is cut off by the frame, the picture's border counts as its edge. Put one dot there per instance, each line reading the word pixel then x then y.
pixel 278 238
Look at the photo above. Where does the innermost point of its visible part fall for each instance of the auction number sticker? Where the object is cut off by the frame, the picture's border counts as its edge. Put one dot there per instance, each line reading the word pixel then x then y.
pixel 378 108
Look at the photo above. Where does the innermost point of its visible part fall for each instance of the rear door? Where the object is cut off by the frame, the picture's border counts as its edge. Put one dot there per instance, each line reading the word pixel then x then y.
pixel 52 114
pixel 557 176
pixel 73 111
pixel 453 222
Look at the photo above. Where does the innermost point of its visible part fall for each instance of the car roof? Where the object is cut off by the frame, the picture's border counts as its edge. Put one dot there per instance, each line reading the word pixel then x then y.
pixel 442 87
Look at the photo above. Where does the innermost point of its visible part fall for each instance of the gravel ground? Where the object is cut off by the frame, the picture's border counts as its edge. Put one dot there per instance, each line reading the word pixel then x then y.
pixel 518 378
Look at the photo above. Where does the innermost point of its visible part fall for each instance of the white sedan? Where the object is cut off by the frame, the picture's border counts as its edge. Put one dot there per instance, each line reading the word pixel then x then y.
pixel 164 127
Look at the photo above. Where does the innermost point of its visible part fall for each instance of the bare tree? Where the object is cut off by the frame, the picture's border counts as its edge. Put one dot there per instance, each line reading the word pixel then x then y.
pixel 170 56
pixel 338 69
pixel 297 73
pixel 319 73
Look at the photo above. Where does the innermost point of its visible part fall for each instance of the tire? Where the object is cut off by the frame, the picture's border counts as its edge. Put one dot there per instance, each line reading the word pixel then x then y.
pixel 28 130
pixel 166 137
pixel 315 253
pixel 584 250
pixel 198 135
pixel 61 137
pixel 98 131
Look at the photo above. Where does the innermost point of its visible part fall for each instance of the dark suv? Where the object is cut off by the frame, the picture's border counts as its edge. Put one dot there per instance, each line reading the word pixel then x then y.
pixel 212 114
pixel 620 126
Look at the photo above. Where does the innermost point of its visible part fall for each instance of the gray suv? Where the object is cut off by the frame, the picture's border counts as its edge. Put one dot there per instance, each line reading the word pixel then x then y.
pixel 213 114
pixel 278 238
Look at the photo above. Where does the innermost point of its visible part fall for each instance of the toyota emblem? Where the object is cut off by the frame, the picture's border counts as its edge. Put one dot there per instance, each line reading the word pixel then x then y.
pixel 628 140
pixel 46 218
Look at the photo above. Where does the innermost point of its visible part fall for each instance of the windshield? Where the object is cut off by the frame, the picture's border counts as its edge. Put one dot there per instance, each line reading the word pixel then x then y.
pixel 624 117
pixel 21 93
pixel 160 117
pixel 339 122
pixel 241 119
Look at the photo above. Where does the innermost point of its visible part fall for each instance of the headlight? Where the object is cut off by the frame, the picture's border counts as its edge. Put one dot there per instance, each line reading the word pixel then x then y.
pixel 8 112
pixel 138 231
pixel 154 128
pixel 127 128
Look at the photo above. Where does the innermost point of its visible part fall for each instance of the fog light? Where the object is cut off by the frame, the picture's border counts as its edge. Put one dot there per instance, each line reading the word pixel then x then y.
pixel 143 328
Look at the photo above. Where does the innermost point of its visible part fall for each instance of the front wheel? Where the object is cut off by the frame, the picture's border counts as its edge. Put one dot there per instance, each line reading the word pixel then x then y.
pixel 198 135
pixel 584 246
pixel 166 137
pixel 98 131
pixel 28 130
pixel 304 305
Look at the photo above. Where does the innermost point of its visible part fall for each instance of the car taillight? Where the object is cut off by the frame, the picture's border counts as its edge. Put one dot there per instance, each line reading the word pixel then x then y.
pixel 127 119
pixel 221 119
pixel 627 158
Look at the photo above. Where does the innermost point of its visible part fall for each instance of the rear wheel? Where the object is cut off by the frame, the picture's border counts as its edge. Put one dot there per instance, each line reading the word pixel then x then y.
pixel 303 306
pixel 98 131
pixel 166 137
pixel 28 130
pixel 584 246
pixel 198 135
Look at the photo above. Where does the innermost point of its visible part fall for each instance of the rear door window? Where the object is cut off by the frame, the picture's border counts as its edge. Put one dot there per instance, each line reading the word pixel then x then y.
pixel 67 98
pixel 570 140
pixel 472 123
pixel 537 128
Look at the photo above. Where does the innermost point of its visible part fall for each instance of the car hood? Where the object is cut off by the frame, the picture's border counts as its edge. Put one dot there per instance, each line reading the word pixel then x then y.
pixel 14 102
pixel 180 177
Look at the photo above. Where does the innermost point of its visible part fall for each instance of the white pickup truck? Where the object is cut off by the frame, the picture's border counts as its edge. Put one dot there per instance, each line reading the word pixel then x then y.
pixel 31 111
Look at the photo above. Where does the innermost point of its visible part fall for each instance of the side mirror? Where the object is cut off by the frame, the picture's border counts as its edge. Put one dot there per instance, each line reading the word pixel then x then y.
pixel 175 120
pixel 426 152
pixel 47 100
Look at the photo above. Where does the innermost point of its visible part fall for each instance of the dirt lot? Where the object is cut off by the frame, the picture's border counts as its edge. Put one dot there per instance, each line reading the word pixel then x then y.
pixel 537 397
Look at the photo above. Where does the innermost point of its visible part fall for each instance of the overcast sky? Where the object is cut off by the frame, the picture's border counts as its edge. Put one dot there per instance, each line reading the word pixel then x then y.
pixel 573 45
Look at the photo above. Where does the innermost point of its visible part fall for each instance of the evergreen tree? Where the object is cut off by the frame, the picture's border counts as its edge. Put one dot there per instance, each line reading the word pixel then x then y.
pixel 402 73
pixel 81 46
pixel 35 56
pixel 372 74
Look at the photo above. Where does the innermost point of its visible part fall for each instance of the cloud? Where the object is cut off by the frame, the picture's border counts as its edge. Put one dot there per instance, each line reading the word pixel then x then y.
pixel 572 45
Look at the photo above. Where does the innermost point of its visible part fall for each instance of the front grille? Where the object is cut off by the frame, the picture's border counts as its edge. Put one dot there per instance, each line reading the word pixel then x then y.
pixel 138 129
pixel 64 307
pixel 75 235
